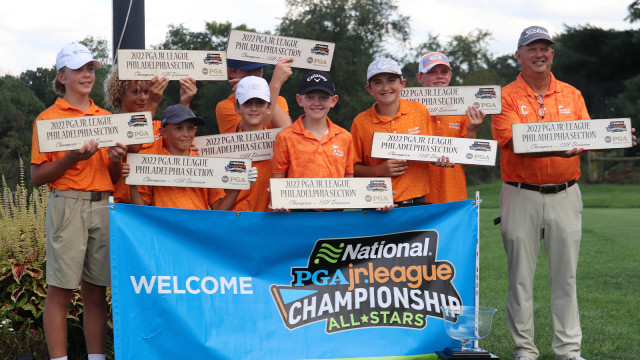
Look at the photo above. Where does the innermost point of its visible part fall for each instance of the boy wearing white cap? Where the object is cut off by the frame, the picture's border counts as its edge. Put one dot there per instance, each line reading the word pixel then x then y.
pixel 228 119
pixel 447 185
pixel 391 114
pixel 253 104
pixel 77 227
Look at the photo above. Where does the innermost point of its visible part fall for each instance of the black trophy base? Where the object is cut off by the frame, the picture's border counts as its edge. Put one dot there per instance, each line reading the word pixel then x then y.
pixel 456 354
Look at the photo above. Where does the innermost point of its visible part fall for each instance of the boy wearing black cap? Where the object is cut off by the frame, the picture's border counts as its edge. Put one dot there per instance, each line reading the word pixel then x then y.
pixel 228 119
pixel 313 146
pixel 179 125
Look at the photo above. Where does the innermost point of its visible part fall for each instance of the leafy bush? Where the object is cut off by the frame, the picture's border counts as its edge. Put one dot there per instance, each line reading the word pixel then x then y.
pixel 22 262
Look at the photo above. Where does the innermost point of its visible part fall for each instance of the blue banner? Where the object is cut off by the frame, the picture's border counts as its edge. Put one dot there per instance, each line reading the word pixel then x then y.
pixel 329 285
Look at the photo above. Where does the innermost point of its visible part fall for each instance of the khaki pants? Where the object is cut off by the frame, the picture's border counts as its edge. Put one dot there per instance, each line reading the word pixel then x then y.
pixel 527 217
pixel 77 241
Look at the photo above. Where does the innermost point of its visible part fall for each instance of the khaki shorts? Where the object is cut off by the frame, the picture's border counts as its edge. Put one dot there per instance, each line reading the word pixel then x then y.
pixel 77 239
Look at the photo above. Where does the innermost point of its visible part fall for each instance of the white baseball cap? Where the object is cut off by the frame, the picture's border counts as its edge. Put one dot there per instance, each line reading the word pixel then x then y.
pixel 383 65
pixel 252 87
pixel 74 56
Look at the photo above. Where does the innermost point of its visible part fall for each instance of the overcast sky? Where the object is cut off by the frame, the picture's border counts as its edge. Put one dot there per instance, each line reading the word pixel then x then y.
pixel 33 31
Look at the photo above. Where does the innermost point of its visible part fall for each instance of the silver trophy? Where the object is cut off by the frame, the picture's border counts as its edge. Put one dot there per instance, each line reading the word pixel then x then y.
pixel 467 324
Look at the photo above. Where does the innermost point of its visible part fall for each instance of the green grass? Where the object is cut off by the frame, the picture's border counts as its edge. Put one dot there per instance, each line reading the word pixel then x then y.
pixel 608 284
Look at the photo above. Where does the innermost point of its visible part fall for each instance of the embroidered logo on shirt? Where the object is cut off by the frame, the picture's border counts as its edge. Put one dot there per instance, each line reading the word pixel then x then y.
pixel 454 126
pixel 337 151
pixel 563 110
pixel 414 131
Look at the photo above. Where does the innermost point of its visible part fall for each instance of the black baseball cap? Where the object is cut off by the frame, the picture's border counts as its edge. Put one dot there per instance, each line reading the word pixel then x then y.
pixel 175 114
pixel 317 80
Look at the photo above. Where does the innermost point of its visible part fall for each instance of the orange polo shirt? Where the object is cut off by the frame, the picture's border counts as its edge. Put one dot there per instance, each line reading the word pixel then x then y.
pixel 448 184
pixel 228 119
pixel 562 102
pixel 299 154
pixel 121 193
pixel 180 197
pixel 87 175
pixel 257 198
pixel 412 118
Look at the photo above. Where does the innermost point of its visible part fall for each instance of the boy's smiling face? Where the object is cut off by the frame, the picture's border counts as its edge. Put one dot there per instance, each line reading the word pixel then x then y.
pixel 316 104
pixel 135 97
pixel 439 75
pixel 179 136
pixel 386 88
pixel 253 112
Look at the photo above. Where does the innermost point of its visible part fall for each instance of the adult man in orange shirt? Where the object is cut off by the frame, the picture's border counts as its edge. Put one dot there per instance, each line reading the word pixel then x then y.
pixel 540 199
pixel 446 185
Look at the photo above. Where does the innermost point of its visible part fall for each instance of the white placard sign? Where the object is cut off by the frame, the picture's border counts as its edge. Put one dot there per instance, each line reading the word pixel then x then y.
pixel 71 133
pixel 454 100
pixel 254 145
pixel 269 49
pixel 174 64
pixel 430 148
pixel 592 134
pixel 188 171
pixel 331 193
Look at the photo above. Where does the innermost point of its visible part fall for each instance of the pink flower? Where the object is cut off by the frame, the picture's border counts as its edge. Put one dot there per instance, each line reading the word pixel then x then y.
pixel 32 331
pixel 15 311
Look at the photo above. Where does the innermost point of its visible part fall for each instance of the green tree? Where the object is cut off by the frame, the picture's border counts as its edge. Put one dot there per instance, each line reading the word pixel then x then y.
pixel 634 11
pixel 360 30
pixel 597 62
pixel 18 108
pixel 40 81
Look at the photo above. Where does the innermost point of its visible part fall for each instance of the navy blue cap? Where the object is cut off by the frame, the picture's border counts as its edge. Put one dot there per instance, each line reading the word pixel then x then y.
pixel 244 65
pixel 175 114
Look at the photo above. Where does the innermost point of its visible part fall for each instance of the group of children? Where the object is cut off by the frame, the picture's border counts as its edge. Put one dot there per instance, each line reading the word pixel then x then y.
pixel 313 146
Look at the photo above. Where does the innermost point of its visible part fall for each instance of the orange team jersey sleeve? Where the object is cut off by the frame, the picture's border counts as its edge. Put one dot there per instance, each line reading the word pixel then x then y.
pixel 121 193
pixel 412 118
pixel 299 154
pixel 88 175
pixel 228 119
pixel 180 197
pixel 562 102
pixel 448 184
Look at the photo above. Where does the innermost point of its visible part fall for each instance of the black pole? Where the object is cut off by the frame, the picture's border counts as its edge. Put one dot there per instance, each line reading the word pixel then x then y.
pixel 133 37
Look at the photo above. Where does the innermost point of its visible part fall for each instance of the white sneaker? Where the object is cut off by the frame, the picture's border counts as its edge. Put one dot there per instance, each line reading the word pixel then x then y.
pixel 576 358
pixel 525 358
